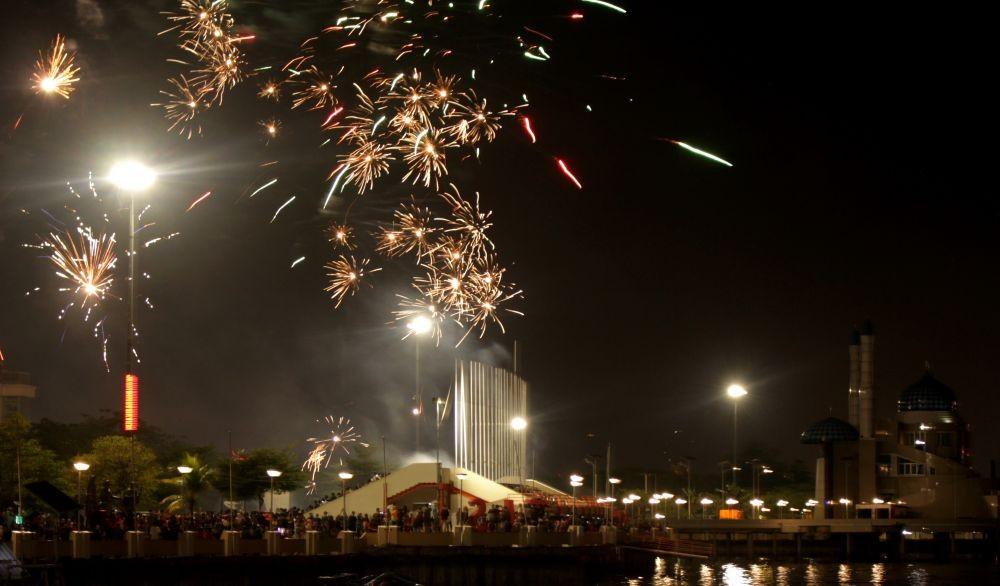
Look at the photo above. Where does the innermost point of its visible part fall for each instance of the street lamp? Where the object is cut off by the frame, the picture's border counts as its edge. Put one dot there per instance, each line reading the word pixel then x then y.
pixel 705 502
pixel 272 474
pixel 420 326
pixel 735 392
pixel 80 468
pixel 131 177
pixel 575 480
pixel 611 500
pixel 344 477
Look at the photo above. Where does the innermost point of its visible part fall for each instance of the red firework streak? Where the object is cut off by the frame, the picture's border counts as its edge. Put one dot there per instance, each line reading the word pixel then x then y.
pixel 526 122
pixel 569 174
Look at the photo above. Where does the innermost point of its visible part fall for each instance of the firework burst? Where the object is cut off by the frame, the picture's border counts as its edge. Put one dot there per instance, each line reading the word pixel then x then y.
pixel 55 71
pixel 182 106
pixel 341 236
pixel 335 444
pixel 346 276
pixel 86 260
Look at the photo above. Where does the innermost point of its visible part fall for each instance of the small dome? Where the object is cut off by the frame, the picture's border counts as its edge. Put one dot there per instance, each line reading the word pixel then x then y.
pixel 927 394
pixel 830 429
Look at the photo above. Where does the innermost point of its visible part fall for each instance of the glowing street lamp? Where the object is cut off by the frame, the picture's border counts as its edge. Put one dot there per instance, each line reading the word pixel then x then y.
pixel 131 177
pixel 419 326
pixel 705 502
pixel 735 392
pixel 272 474
pixel 80 467
pixel 344 476
pixel 576 481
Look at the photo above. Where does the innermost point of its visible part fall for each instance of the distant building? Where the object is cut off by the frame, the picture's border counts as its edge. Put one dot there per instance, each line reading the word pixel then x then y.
pixel 917 464
pixel 15 388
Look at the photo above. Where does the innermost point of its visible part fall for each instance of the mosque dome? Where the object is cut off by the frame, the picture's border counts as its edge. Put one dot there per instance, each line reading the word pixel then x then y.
pixel 830 429
pixel 927 394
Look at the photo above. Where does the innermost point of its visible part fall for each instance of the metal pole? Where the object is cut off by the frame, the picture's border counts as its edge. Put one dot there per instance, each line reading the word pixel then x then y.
pixel 130 351
pixel 420 405
pixel 735 414
pixel 79 496
pixel 574 506
pixel 385 484
pixel 230 475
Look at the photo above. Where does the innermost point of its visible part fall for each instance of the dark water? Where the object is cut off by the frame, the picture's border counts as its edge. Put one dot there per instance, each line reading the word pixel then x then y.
pixel 671 572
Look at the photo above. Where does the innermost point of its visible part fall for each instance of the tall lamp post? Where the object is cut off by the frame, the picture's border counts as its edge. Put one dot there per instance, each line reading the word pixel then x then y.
pixel 80 468
pixel 705 502
pixel 184 471
pixel 272 474
pixel 131 177
pixel 344 477
pixel 576 481
pixel 735 392
pixel 419 326
pixel 611 499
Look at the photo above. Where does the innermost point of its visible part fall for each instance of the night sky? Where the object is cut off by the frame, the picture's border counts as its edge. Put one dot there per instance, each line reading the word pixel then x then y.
pixel 861 144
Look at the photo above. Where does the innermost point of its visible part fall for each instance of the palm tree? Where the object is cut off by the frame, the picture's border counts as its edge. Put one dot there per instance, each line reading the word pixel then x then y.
pixel 195 479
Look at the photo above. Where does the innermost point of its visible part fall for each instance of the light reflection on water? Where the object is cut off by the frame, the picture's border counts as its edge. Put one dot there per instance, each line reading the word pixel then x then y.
pixel 677 572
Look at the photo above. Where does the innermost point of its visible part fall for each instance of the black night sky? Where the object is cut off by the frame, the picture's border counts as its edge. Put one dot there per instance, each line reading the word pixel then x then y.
pixel 862 188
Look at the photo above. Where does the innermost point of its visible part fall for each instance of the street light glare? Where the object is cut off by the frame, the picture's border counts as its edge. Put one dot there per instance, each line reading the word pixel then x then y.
pixel 81 466
pixel 736 391
pixel 132 176
pixel 518 423
pixel 420 325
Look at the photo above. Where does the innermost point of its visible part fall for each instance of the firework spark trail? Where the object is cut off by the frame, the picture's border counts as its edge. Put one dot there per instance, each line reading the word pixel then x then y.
pixel 569 174
pixel 281 207
pixel 336 443
pixel 55 72
pixel 700 152
pixel 263 187
pixel 606 5
pixel 526 122
pixel 202 198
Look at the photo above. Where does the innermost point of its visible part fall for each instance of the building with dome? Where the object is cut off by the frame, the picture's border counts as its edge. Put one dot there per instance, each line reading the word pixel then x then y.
pixel 916 463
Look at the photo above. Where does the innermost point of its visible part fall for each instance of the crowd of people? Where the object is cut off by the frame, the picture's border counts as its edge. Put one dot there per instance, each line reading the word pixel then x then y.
pixel 293 522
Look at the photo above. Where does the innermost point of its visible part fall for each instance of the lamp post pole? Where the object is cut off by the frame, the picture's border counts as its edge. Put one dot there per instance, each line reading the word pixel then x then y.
pixel 344 477
pixel 735 392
